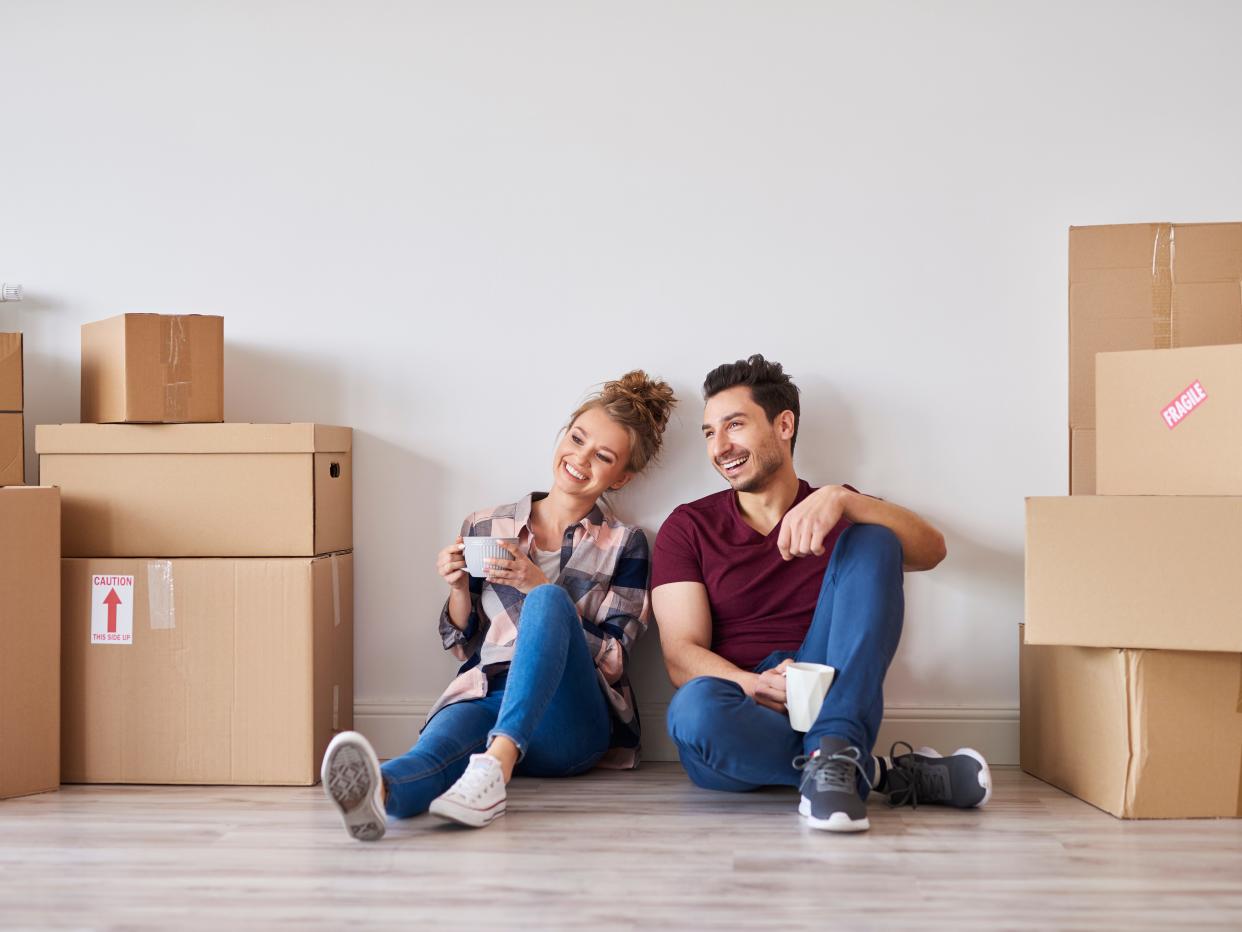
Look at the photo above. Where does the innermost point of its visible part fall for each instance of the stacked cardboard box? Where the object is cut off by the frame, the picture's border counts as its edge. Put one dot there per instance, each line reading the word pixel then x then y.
pixel 207 594
pixel 12 436
pixel 1131 660
pixel 29 640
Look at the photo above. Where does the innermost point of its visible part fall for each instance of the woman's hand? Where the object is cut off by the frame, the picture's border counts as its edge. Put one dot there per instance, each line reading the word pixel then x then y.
pixel 520 572
pixel 451 565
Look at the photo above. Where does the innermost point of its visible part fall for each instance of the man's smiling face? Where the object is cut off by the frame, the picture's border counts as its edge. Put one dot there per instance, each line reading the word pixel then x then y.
pixel 744 446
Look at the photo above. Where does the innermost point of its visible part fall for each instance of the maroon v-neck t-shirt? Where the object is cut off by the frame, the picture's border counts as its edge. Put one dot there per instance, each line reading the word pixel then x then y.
pixel 760 603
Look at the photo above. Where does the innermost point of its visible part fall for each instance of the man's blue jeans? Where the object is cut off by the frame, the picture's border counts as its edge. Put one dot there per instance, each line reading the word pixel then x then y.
pixel 727 741
pixel 551 707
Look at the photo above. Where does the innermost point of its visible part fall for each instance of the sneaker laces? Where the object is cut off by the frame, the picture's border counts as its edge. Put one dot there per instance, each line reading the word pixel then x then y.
pixel 837 771
pixel 919 780
pixel 475 781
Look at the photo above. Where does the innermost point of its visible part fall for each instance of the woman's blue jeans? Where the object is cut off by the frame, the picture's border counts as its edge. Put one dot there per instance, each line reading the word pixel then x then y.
pixel 551 706
pixel 727 741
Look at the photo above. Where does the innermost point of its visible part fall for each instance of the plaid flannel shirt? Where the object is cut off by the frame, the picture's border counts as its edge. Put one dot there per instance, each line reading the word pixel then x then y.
pixel 604 567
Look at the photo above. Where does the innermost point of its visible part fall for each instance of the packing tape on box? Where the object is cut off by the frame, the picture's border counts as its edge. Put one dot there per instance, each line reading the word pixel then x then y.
pixel 336 592
pixel 160 594
pixel 1162 287
pixel 175 367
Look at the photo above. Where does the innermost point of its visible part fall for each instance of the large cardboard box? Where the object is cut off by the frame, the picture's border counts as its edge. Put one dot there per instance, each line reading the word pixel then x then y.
pixel 1145 286
pixel 1170 422
pixel 1134 571
pixel 12 449
pixel 204 671
pixel 1143 734
pixel 10 372
pixel 153 368
pixel 29 641
pixel 200 490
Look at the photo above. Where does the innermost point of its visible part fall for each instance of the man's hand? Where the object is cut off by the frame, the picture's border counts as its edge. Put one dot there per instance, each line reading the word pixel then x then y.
pixel 805 526
pixel 768 688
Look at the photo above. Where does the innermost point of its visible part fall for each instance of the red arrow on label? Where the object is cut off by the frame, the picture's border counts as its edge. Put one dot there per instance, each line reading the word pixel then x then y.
pixel 112 601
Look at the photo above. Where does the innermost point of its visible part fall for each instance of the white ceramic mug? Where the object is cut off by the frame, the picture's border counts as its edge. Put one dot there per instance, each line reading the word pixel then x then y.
pixel 806 685
pixel 478 549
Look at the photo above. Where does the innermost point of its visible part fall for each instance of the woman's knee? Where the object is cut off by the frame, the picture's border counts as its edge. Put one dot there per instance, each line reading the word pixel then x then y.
pixel 548 602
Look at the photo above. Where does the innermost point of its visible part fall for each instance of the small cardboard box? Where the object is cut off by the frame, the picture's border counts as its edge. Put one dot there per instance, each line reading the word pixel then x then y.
pixel 29 640
pixel 1145 286
pixel 1142 734
pixel 204 671
pixel 200 490
pixel 1134 571
pixel 12 449
pixel 1170 422
pixel 10 372
pixel 153 368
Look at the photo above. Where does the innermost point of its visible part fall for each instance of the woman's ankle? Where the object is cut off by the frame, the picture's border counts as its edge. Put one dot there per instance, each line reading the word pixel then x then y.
pixel 506 752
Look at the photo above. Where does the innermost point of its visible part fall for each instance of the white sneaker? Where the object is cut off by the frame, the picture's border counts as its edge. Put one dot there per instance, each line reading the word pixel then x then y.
pixel 351 778
pixel 477 797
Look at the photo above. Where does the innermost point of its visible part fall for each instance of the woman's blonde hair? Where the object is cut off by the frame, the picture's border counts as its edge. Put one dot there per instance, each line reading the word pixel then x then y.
pixel 642 406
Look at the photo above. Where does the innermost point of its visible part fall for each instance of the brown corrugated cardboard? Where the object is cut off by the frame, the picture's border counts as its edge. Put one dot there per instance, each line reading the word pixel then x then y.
pixel 153 368
pixel 1082 462
pixel 221 672
pixel 10 372
pixel 1134 571
pixel 1147 286
pixel 1170 422
pixel 12 449
pixel 190 490
pixel 1142 734
pixel 29 640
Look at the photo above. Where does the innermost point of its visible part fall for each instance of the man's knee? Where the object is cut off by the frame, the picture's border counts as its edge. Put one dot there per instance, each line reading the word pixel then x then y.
pixel 874 544
pixel 694 713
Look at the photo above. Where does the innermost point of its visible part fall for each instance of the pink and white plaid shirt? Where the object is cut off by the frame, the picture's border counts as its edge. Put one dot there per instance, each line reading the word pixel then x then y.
pixel 605 566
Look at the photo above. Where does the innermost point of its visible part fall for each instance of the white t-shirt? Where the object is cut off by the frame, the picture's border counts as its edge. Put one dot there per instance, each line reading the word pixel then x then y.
pixel 547 560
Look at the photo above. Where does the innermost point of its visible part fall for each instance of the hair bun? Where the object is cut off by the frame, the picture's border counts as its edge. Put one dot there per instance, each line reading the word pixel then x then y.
pixel 654 398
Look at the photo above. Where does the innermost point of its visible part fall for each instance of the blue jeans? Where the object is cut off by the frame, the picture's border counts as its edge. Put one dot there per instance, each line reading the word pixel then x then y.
pixel 727 741
pixel 551 706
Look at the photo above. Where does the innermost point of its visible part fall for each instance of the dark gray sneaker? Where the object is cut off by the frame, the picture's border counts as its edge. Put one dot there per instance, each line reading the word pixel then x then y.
pixel 352 780
pixel 961 780
pixel 830 800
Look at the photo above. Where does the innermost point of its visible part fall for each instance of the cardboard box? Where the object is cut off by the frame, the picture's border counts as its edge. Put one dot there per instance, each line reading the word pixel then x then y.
pixel 1134 571
pixel 200 490
pixel 1146 286
pixel 1170 422
pixel 12 449
pixel 204 671
pixel 10 372
pixel 29 641
pixel 1142 734
pixel 153 368
pixel 1082 462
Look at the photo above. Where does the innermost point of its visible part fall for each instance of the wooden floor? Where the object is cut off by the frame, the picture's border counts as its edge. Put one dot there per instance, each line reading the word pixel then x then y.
pixel 625 850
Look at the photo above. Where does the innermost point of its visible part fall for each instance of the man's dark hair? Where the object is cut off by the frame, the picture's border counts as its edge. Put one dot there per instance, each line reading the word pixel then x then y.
pixel 772 389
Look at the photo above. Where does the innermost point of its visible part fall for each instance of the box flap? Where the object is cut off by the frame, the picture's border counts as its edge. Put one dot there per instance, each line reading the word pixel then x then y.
pixel 10 372
pixel 191 438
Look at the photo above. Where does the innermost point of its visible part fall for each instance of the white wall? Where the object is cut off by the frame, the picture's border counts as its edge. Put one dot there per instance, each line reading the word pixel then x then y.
pixel 442 223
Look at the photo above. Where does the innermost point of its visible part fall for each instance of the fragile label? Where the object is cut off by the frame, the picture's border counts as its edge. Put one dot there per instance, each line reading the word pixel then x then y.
pixel 112 609
pixel 1183 404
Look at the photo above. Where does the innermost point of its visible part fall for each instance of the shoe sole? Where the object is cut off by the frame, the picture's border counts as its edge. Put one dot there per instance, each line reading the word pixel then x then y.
pixel 347 775
pixel 837 822
pixel 462 815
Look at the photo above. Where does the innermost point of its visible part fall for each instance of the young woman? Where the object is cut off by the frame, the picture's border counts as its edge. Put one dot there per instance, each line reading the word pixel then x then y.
pixel 545 636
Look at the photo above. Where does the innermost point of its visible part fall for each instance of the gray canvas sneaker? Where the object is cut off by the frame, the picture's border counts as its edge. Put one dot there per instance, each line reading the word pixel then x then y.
pixel 830 799
pixel 962 780
pixel 351 778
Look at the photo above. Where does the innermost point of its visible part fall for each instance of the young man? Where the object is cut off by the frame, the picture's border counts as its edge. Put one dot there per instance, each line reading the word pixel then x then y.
pixel 770 571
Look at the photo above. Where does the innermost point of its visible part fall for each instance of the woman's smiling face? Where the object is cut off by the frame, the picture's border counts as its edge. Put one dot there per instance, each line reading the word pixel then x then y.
pixel 592 457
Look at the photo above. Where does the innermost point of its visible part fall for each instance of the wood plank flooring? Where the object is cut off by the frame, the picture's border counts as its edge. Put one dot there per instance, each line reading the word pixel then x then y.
pixel 641 850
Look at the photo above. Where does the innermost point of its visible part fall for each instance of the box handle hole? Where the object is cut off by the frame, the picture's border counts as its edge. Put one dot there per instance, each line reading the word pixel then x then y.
pixel 335 470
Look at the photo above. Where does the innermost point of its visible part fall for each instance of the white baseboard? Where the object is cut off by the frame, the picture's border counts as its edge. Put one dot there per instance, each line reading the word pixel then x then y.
pixel 392 725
